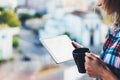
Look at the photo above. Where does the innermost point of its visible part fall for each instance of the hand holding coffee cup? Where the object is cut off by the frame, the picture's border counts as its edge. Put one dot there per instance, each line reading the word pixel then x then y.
pixel 79 57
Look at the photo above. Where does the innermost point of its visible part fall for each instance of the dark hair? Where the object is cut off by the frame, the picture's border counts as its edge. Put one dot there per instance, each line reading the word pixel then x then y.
pixel 112 7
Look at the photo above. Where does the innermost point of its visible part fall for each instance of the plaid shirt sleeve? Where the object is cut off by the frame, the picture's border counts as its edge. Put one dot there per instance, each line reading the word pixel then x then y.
pixel 111 51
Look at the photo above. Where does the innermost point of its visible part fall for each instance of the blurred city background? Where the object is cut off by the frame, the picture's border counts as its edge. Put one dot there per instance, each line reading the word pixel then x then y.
pixel 23 22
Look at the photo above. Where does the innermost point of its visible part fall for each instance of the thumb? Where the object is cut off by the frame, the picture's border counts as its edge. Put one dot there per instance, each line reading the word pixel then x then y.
pixel 76 45
pixel 91 55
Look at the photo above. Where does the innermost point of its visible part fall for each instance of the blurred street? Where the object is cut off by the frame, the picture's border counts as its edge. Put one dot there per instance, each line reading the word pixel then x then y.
pixel 28 65
pixel 24 22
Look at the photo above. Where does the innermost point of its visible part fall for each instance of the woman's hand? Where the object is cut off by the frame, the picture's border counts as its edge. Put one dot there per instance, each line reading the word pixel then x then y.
pixel 96 68
pixel 76 45
pixel 94 65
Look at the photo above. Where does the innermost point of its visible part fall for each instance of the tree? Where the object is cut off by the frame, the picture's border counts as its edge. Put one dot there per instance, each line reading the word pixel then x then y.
pixel 23 17
pixel 10 18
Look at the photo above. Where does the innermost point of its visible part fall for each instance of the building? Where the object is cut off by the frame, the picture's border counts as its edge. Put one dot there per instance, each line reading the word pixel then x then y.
pixel 38 5
pixel 73 5
pixel 9 4
pixel 52 5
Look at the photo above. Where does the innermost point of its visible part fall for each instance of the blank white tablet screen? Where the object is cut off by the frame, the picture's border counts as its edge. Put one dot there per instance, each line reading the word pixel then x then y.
pixel 59 47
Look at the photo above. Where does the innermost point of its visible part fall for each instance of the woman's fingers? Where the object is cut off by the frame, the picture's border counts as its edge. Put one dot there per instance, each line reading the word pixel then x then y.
pixel 88 59
pixel 92 56
pixel 76 45
pixel 87 63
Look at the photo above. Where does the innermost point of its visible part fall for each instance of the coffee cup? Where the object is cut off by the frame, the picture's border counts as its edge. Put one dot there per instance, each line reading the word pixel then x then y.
pixel 79 58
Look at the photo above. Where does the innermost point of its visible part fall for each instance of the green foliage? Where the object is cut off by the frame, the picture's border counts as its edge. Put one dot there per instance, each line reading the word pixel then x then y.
pixel 15 42
pixel 38 15
pixel 24 16
pixel 10 18
pixel 67 33
pixel 1 9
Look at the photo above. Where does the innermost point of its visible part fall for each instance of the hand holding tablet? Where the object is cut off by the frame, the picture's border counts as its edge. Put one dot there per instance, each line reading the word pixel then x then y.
pixel 59 47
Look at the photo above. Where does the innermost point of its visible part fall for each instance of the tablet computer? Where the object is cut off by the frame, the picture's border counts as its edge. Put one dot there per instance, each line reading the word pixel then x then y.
pixel 59 47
